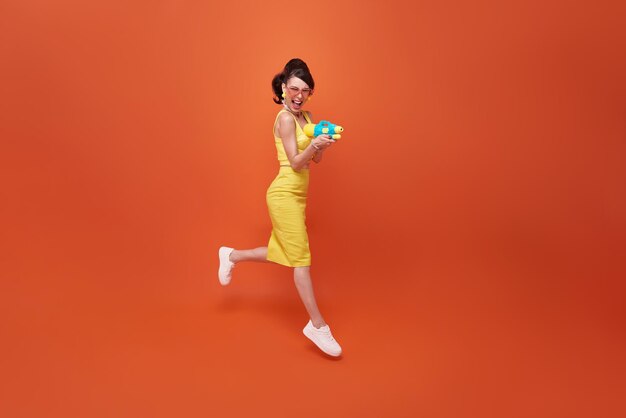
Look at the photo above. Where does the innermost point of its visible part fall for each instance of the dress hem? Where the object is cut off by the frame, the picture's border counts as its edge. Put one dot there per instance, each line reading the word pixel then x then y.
pixel 285 264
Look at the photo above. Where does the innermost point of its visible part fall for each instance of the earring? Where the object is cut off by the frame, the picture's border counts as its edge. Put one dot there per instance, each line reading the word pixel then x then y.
pixel 308 98
pixel 283 94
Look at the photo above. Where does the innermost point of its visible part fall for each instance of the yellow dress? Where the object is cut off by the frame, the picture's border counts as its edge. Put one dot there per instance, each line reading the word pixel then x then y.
pixel 286 202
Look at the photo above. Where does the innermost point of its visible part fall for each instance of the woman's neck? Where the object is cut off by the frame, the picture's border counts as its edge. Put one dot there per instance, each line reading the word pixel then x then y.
pixel 290 111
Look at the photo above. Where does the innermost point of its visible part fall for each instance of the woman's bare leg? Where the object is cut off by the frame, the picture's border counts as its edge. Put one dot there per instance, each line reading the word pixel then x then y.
pixel 258 254
pixel 302 279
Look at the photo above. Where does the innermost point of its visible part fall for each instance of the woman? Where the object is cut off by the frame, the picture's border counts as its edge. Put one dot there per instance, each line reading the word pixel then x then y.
pixel 286 198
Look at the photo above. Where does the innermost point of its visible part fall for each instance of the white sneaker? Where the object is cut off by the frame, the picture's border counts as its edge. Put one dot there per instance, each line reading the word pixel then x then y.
pixel 226 266
pixel 323 338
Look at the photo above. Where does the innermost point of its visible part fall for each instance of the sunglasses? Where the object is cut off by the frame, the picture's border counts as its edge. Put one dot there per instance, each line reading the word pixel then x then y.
pixel 293 91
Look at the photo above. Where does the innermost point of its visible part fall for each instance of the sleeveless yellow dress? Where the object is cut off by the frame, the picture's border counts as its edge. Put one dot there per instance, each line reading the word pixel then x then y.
pixel 286 202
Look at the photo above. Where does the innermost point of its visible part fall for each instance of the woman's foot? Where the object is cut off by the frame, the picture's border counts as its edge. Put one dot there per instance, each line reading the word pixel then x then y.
pixel 323 338
pixel 226 266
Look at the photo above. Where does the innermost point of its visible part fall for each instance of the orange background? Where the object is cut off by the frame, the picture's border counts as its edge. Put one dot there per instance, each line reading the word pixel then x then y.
pixel 467 233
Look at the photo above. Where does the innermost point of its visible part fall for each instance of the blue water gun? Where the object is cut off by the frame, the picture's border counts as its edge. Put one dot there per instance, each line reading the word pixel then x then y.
pixel 313 130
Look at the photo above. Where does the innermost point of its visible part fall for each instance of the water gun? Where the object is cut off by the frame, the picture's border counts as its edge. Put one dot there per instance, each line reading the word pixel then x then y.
pixel 313 130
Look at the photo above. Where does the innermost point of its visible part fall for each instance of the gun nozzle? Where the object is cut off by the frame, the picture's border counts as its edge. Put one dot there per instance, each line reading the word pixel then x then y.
pixel 338 129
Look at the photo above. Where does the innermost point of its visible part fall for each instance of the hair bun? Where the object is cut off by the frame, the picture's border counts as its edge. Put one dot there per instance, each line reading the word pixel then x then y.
pixel 294 64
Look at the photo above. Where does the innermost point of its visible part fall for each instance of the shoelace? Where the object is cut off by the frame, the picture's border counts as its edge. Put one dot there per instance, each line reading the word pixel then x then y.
pixel 328 334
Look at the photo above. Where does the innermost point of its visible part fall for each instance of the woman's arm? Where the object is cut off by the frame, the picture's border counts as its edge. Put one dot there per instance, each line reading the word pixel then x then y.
pixel 317 157
pixel 287 131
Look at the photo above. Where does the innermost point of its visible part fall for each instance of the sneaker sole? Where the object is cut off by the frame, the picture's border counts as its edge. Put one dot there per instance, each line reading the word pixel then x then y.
pixel 222 254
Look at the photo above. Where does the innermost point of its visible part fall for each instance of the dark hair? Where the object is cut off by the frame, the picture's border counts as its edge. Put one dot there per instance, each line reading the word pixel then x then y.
pixel 294 68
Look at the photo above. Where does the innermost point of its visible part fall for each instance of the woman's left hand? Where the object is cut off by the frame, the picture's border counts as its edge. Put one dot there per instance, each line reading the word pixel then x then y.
pixel 323 141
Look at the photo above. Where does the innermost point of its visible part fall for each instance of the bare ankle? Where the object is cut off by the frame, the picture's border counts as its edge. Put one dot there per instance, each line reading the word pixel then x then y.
pixel 319 323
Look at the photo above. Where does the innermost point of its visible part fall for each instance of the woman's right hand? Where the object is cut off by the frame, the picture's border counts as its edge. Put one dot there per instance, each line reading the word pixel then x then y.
pixel 323 141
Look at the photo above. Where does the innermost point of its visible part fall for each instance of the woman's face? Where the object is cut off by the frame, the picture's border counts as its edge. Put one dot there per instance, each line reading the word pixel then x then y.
pixel 297 92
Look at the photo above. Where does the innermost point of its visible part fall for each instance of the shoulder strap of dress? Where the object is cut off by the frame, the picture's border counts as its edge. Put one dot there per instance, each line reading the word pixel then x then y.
pixel 306 116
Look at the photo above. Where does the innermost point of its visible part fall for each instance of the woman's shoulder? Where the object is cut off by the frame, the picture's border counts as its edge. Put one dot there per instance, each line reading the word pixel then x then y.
pixel 284 119
pixel 285 116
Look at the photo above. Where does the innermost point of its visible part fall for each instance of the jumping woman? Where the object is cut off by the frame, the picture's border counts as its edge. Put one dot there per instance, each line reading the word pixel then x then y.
pixel 286 198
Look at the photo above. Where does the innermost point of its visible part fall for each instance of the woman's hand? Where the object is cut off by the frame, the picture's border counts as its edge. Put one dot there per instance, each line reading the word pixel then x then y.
pixel 322 142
